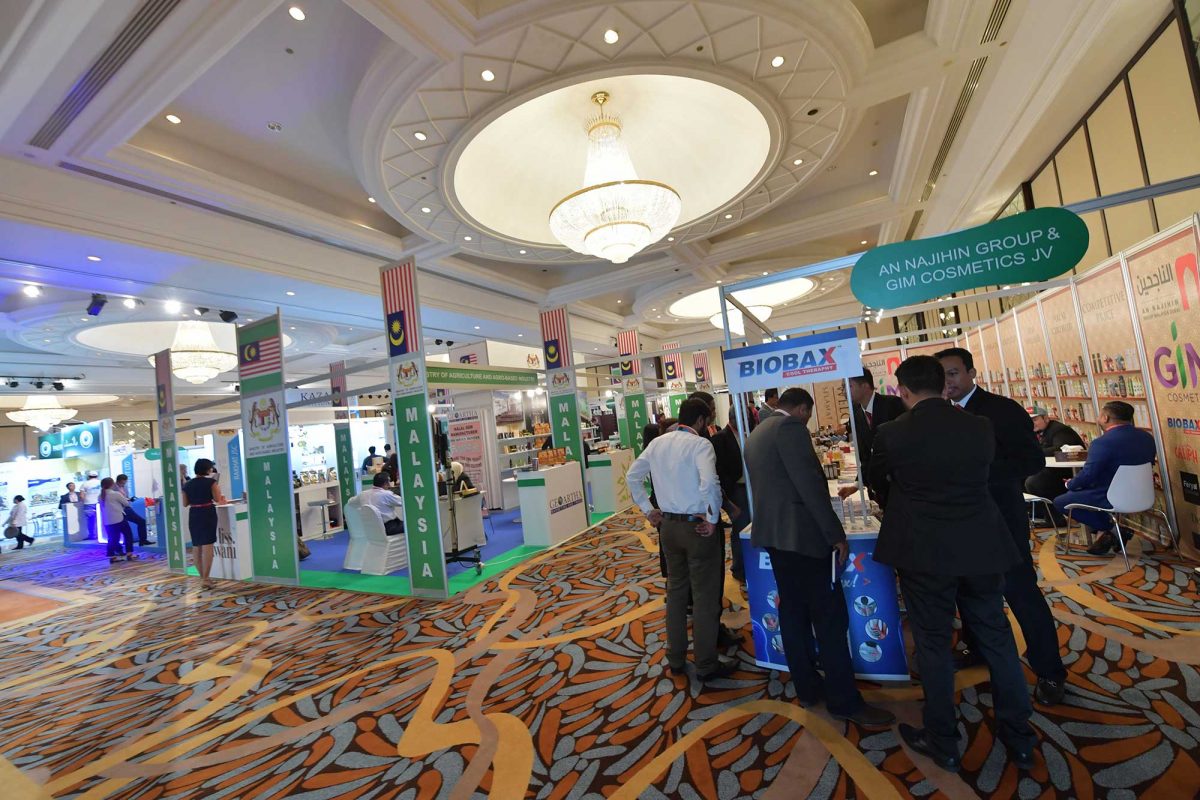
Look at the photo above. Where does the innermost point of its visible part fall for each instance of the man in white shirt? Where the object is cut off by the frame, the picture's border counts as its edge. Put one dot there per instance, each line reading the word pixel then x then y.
pixel 683 467
pixel 91 496
pixel 380 497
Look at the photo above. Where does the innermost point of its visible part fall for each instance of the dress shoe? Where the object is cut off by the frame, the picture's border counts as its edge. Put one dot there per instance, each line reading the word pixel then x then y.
pixel 725 667
pixel 1050 693
pixel 1103 545
pixel 677 670
pixel 728 637
pixel 869 717
pixel 966 658
pixel 1021 759
pixel 918 740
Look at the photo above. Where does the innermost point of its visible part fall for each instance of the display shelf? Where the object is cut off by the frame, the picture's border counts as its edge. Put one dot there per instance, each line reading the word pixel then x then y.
pixel 1099 373
pixel 1072 397
pixel 517 453
pixel 1139 398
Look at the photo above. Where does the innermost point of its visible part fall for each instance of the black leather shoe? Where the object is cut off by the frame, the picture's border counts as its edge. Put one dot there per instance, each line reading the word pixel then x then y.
pixel 869 717
pixel 725 667
pixel 680 670
pixel 727 637
pixel 966 658
pixel 1050 693
pixel 917 739
pixel 1021 759
pixel 1104 544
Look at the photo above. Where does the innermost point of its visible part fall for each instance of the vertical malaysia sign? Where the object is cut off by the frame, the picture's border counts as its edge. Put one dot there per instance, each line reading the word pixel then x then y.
pixel 634 393
pixel 172 519
pixel 414 437
pixel 274 556
pixel 1164 276
pixel 560 382
pixel 342 445
pixel 673 375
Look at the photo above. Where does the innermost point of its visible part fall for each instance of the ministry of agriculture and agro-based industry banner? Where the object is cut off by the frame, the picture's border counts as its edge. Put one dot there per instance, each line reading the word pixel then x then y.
pixel 414 439
pixel 808 359
pixel 274 553
pixel 172 520
pixel 1033 246
pixel 1165 278
pixel 560 383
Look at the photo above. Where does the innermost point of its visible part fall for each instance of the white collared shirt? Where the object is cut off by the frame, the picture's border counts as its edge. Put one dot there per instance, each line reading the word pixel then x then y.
pixel 967 397
pixel 385 501
pixel 683 467
pixel 869 408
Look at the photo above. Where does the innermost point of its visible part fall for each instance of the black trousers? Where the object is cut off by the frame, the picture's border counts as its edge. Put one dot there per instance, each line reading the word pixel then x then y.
pixel 1026 600
pixel 737 525
pixel 1048 484
pixel 811 607
pixel 695 566
pixel 136 520
pixel 931 600
pixel 21 538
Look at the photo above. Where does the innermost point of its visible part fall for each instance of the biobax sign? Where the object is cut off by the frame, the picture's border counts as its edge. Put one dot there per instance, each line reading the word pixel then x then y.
pixel 810 359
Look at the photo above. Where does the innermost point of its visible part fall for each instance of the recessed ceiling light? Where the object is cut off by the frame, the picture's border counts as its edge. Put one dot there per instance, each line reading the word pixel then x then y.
pixel 659 316
pixel 172 306
pixel 670 238
pixel 370 199
pixel 729 216
pixel 777 62
pixel 420 136
pixel 174 120
pixel 93 258
pixel 424 209
pixel 522 252
pixel 290 294
pixel 47 341
pixel 520 335
pixel 718 281
pixel 129 302
pixel 31 291
pixel 466 238
pixel 618 302
pixel 654 309
pixel 488 75
pixel 85 319
pixel 297 13
pixel 797 162
pixel 611 36
pixel 864 241
pixel 764 273
pixel 873 173
pixel 476 327
pixel 291 327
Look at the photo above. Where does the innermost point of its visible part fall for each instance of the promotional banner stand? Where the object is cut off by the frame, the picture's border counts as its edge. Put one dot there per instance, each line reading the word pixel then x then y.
pixel 172 518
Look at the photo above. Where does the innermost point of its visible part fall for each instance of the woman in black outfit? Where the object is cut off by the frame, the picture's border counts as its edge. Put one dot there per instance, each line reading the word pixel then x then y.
pixel 201 495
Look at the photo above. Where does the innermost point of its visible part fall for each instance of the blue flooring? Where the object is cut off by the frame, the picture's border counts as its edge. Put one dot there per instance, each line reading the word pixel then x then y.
pixel 501 528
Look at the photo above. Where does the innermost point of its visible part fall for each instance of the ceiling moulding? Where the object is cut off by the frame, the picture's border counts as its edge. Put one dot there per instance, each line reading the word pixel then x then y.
pixel 808 228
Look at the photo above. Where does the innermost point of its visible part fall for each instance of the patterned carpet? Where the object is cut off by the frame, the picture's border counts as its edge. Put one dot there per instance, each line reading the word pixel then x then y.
pixel 548 682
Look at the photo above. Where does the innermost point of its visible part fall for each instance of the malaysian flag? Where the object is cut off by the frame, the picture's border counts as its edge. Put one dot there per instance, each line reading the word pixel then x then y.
pixel 627 345
pixel 400 308
pixel 469 358
pixel 556 338
pixel 700 364
pixel 260 357
pixel 673 367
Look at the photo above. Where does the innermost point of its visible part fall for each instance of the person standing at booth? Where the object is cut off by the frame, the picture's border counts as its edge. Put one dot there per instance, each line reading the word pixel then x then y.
pixel 944 535
pixel 201 495
pixel 91 498
pixel 70 498
pixel 795 523
pixel 115 524
pixel 871 409
pixel 135 519
pixel 1017 456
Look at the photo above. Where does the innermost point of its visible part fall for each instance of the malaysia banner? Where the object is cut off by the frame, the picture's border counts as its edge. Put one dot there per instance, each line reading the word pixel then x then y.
pixel 628 345
pixel 556 338
pixel 809 359
pixel 700 365
pixel 399 308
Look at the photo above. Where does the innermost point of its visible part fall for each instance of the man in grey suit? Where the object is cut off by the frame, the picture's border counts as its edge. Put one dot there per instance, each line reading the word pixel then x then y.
pixel 795 523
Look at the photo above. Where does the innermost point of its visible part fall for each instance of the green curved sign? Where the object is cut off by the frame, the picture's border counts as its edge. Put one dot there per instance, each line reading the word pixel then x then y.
pixel 1032 246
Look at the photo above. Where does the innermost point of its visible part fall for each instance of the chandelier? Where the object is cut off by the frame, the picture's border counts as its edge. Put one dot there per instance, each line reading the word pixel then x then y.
pixel 737 322
pixel 615 215
pixel 195 356
pixel 42 412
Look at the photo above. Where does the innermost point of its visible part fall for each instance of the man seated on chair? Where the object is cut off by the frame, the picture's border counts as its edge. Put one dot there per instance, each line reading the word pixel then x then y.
pixel 1052 435
pixel 380 497
pixel 1120 445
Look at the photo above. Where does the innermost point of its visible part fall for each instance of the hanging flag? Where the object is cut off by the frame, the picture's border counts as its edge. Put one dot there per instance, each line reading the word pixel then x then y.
pixel 556 339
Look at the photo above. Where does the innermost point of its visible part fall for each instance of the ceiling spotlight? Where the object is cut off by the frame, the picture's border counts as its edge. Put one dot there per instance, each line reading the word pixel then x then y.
pixel 797 162
pixel 449 343
pixel 98 300
pixel 228 316
pixel 424 209
pixel 172 306
pixel 370 199
pixel 290 293
pixel 466 238
pixel 520 335
pixel 199 311
pixel 764 273
pixel 275 126
pixel 39 384
pixel 864 241
pixel 58 386
pixel 297 13
pixel 488 75
pixel 476 327
pixel 670 238
pixel 777 62
pixel 437 341
pixel 129 303
pixel 174 120
pixel 420 136
pixel 93 258
pixel 522 252
pixel 32 291
pixel 873 173
pixel 729 216
pixel 611 36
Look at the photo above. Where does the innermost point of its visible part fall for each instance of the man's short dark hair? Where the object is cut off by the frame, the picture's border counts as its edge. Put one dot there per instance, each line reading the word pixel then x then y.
pixel 960 353
pixel 795 397
pixel 122 477
pixel 387 447
pixel 866 378
pixel 706 397
pixel 692 410
pixel 381 479
pixel 922 375
pixel 371 449
pixel 1119 410
pixel 770 393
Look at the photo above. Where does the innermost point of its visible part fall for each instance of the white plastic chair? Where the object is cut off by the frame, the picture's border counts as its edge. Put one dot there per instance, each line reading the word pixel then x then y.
pixel 384 554
pixel 1032 500
pixel 1131 492
pixel 358 535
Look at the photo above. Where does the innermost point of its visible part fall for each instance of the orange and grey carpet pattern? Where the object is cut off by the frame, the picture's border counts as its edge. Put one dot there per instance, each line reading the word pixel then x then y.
pixel 548 682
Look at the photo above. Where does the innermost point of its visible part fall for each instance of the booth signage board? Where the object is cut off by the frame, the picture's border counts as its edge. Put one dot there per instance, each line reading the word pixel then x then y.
pixel 1032 246
pixel 462 376
pixel 342 441
pixel 237 470
pixel 74 442
pixel 1165 276
pixel 564 413
pixel 272 520
pixel 466 443
pixel 817 358
pixel 169 460
pixel 876 642
pixel 414 438
pixel 635 411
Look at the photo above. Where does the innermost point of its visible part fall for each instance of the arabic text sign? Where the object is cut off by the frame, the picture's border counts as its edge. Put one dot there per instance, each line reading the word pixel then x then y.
pixel 810 359
pixel 1033 246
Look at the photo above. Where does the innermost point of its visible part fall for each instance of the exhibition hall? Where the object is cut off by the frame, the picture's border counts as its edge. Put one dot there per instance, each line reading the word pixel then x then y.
pixel 600 398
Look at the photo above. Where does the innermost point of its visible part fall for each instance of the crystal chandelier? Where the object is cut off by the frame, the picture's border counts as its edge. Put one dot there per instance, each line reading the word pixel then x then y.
pixel 615 215
pixel 195 356
pixel 42 412
pixel 737 322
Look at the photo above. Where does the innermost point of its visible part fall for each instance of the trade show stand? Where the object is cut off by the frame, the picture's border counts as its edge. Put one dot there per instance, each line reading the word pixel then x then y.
pixel 606 479
pixel 231 555
pixel 552 504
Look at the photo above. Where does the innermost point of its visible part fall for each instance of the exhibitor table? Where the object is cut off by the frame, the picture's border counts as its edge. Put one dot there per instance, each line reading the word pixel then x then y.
pixel 606 478
pixel 552 505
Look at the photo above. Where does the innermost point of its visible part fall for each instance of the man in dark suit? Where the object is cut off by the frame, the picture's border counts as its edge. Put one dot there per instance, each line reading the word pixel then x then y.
pixel 944 535
pixel 733 488
pixel 1121 445
pixel 871 410
pixel 1017 456
pixel 1052 435
pixel 795 522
